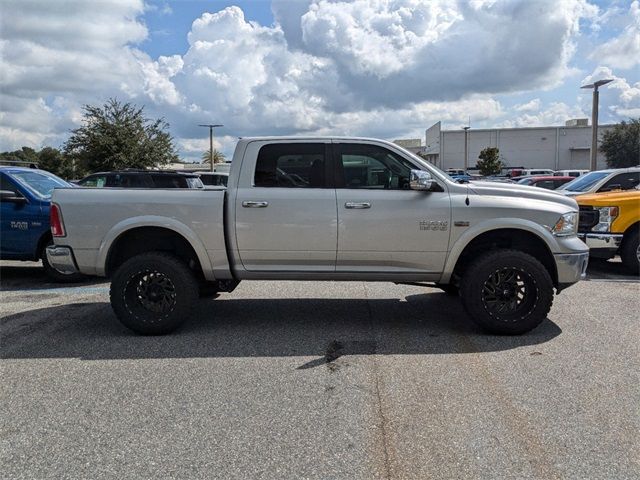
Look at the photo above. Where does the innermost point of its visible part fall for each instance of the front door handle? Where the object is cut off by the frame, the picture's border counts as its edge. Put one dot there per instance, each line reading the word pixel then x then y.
pixel 255 204
pixel 357 205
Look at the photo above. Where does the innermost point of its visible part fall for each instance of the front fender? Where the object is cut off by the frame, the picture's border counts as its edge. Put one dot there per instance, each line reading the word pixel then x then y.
pixel 152 221
pixel 495 224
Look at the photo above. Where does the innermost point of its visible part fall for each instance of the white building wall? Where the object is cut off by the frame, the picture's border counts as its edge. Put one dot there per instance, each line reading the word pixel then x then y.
pixel 556 148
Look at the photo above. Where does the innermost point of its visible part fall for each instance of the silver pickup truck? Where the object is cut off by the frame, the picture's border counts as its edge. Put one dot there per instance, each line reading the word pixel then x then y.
pixel 323 209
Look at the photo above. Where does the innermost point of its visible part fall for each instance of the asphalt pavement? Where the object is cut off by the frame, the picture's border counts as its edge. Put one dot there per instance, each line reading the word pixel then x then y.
pixel 318 380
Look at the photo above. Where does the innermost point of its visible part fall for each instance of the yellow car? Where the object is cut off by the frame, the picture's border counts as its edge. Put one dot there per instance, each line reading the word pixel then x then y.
pixel 610 224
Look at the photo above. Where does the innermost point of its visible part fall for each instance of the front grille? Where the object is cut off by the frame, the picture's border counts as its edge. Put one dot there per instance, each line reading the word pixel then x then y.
pixel 588 218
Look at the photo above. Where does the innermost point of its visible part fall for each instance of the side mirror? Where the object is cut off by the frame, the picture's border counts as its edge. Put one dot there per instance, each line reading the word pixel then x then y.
pixel 421 180
pixel 9 196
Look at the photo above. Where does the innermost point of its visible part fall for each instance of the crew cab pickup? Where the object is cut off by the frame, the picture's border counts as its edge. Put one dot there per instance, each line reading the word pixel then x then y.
pixel 25 197
pixel 324 209
pixel 610 224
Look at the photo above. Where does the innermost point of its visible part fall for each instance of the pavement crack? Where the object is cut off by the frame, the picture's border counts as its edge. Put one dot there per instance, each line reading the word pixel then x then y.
pixel 383 425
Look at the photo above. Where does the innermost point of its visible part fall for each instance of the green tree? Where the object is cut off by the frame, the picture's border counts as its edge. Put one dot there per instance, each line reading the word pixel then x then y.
pixel 218 157
pixel 490 163
pixel 25 154
pixel 54 161
pixel 117 136
pixel 621 144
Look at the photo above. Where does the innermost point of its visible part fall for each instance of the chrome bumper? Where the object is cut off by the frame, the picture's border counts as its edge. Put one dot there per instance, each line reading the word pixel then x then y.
pixel 602 241
pixel 571 267
pixel 61 258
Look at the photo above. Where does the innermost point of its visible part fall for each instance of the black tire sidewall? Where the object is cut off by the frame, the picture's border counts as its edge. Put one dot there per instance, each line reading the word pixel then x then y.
pixel 628 253
pixel 176 270
pixel 478 272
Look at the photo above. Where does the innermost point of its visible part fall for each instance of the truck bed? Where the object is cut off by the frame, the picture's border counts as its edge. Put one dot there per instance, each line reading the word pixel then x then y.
pixel 95 218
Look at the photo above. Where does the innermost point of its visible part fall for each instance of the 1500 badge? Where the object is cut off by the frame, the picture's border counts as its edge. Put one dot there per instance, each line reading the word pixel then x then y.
pixel 433 225
pixel 20 225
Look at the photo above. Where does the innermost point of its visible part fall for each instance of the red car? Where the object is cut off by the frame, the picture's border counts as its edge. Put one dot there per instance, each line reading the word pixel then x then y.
pixel 548 182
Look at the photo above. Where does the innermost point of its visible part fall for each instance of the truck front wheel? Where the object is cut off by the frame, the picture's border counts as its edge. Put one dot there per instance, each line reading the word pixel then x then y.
pixel 507 292
pixel 153 293
pixel 630 252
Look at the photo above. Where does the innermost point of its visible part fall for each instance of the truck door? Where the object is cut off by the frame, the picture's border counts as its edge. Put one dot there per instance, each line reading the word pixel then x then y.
pixel 285 208
pixel 383 226
pixel 20 222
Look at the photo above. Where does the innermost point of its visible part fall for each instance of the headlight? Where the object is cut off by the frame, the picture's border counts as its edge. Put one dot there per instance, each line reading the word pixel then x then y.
pixel 566 225
pixel 606 217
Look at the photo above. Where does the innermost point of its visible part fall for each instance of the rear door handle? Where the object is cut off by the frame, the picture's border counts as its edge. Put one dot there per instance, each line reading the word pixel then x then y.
pixel 357 205
pixel 251 204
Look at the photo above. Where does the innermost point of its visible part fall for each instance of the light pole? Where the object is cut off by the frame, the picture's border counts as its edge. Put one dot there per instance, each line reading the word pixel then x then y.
pixel 594 120
pixel 211 127
pixel 466 149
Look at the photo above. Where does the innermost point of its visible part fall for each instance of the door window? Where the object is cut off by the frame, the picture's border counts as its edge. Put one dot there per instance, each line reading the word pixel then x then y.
pixel 293 165
pixel 371 167
pixel 6 184
pixel 623 181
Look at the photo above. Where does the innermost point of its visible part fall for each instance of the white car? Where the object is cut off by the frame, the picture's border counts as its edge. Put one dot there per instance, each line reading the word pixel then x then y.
pixel 570 173
pixel 603 181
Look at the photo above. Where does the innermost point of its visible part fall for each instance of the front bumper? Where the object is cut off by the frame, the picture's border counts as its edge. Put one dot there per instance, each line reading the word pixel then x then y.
pixel 571 267
pixel 602 241
pixel 61 258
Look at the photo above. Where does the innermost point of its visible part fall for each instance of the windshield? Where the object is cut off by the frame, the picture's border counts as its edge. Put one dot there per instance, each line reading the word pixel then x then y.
pixel 584 182
pixel 39 182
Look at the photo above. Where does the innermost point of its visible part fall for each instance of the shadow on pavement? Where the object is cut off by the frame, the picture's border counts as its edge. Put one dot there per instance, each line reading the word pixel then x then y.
pixel 600 269
pixel 32 277
pixel 327 329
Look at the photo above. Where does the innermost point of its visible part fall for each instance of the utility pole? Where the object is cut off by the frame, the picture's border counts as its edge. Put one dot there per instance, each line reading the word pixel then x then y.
pixel 594 120
pixel 211 127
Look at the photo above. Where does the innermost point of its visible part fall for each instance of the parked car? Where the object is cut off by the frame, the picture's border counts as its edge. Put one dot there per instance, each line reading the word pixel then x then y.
pixel 570 173
pixel 325 209
pixel 214 179
pixel 142 179
pixel 25 199
pixel 528 172
pixel 610 224
pixel 550 183
pixel 603 181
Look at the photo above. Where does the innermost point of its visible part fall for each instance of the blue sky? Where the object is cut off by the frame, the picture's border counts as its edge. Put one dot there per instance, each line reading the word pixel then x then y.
pixel 382 68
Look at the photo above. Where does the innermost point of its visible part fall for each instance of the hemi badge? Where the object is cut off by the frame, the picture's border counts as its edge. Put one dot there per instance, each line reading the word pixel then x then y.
pixel 460 224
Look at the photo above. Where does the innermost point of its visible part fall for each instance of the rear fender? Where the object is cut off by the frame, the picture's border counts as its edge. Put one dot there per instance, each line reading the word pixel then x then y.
pixel 159 222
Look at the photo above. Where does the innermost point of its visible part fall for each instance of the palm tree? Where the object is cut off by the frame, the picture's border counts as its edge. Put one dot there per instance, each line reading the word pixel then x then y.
pixel 218 157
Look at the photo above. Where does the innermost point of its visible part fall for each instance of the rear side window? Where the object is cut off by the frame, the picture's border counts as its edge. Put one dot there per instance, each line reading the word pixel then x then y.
pixel 98 181
pixel 292 165
pixel 169 181
pixel 6 184
pixel 623 181
pixel 548 184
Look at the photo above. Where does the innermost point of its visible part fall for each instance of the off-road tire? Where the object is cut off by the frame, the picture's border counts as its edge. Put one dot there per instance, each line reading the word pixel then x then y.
pixel 629 252
pixel 56 275
pixel 153 293
pixel 531 280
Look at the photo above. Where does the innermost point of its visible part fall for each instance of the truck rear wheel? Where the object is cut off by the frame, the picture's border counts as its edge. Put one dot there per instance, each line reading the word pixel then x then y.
pixel 153 293
pixel 507 292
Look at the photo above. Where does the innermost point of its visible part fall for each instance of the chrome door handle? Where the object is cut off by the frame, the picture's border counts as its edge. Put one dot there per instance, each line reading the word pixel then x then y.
pixel 255 204
pixel 357 205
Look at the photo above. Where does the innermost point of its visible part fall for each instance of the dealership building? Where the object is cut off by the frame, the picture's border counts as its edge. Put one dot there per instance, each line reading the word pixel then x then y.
pixel 557 148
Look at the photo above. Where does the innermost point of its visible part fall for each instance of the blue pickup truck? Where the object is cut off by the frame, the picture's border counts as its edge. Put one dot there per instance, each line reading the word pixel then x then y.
pixel 25 201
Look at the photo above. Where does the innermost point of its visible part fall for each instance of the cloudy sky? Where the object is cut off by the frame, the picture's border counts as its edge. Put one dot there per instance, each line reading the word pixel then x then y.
pixel 382 68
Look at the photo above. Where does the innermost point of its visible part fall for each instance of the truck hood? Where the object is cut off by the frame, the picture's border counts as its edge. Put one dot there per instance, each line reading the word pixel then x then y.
pixel 609 197
pixel 521 191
